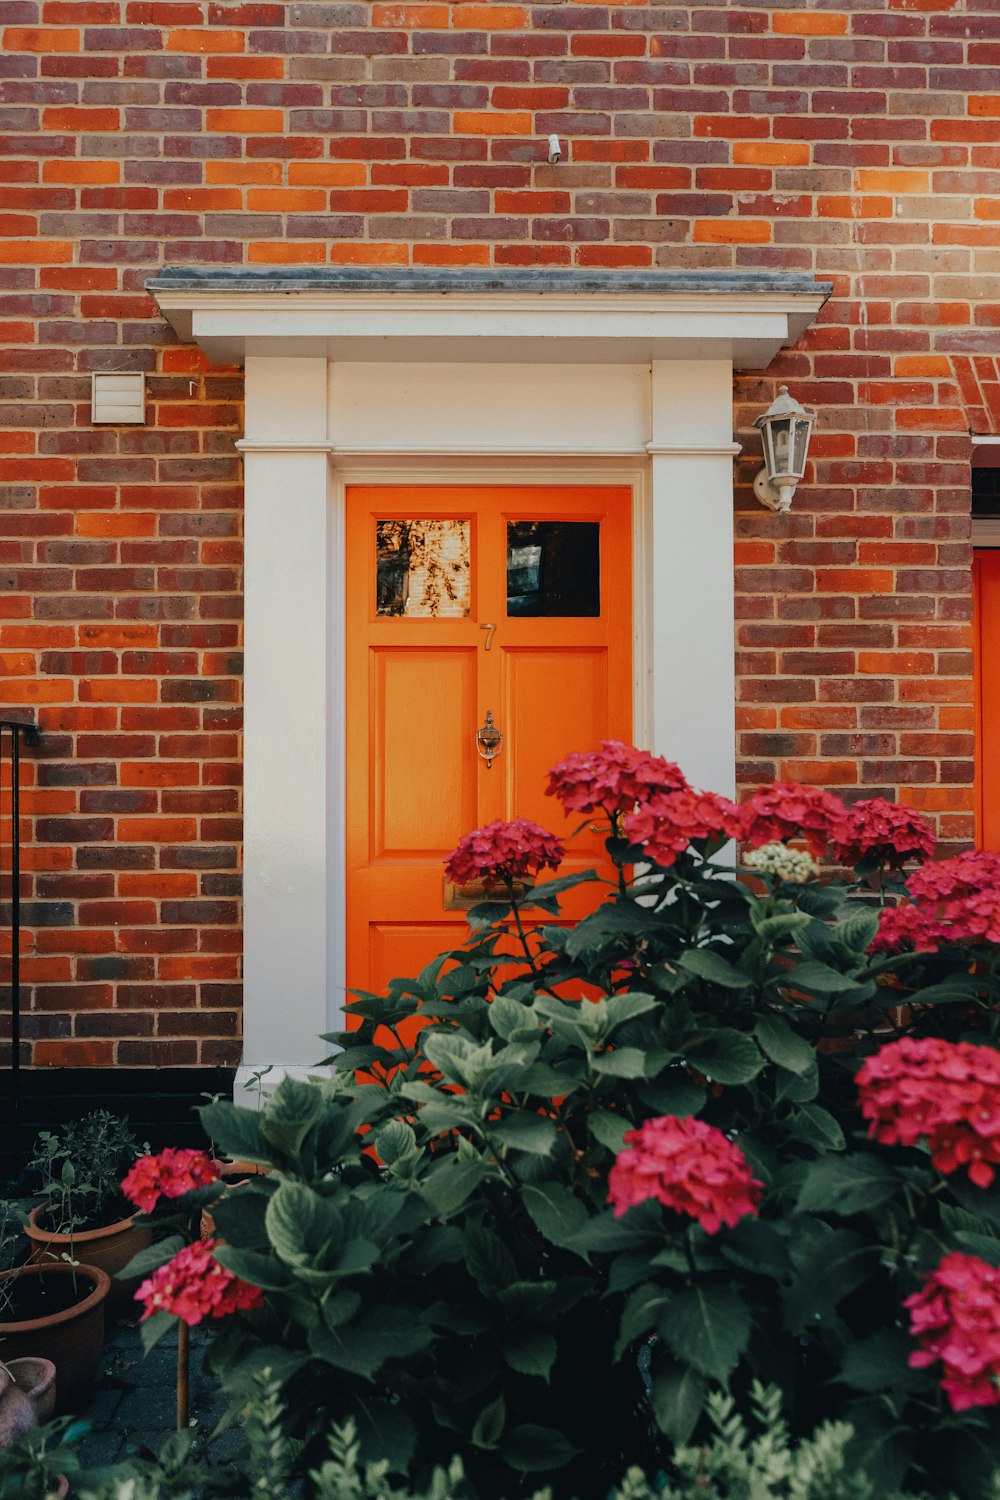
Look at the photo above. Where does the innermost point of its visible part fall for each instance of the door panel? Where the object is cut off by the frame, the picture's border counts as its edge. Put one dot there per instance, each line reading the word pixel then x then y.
pixel 429 568
pixel 423 700
pixel 556 701
pixel 986 586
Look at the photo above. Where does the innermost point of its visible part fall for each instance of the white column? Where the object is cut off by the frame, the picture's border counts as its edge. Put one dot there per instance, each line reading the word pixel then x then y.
pixel 292 714
pixel 690 570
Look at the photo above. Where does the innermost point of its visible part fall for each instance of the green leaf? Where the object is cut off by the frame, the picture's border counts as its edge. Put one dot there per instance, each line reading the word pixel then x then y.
pixel 291 1112
pixel 847 1185
pixel 609 1128
pixel 533 1449
pixel 623 1062
pixel 381 1334
pixel 394 1141
pixel 151 1257
pixel 152 1329
pixel 236 1132
pixel 552 1083
pixel 545 894
pixel 511 1019
pixel 532 1133
pixel 488 1426
pixel 857 930
pixel 639 1315
pixel 300 1224
pixel 783 1045
pixel 261 1270
pixel 772 929
pixel 627 1007
pixel 385 1434
pixel 678 1397
pixel 878 1363
pixel 530 1352
pixel 240 1216
pixel 489 1261
pixel 819 1128
pixel 449 1186
pixel 707 964
pixel 983 1202
pixel 707 1326
pixel 957 990
pixel 820 979
pixel 725 1056
pixel 554 1211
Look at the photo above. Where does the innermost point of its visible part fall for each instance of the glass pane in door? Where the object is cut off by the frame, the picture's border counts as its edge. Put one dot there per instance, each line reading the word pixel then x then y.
pixel 422 569
pixel 554 568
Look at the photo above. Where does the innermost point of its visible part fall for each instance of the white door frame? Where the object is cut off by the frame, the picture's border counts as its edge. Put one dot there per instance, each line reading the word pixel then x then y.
pixel 481 387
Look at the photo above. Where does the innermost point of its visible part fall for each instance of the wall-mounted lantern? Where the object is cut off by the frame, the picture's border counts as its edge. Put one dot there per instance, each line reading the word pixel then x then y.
pixel 784 432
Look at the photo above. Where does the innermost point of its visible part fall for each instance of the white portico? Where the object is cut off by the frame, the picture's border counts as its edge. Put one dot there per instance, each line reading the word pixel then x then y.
pixel 465 377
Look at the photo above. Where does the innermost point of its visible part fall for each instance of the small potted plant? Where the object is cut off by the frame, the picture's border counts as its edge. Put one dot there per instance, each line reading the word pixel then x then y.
pixel 84 1214
pixel 51 1314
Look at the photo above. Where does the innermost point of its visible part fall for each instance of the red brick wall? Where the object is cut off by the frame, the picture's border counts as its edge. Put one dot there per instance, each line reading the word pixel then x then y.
pixel 857 141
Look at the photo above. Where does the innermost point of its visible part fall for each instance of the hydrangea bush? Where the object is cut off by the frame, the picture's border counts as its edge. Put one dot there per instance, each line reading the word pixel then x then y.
pixel 735 1125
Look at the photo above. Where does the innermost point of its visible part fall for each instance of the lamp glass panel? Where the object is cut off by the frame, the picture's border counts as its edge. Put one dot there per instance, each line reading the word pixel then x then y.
pixel 422 569
pixel 781 440
pixel 802 426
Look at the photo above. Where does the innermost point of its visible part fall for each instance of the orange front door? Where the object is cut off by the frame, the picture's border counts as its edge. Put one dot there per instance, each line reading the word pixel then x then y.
pixel 514 601
pixel 986 590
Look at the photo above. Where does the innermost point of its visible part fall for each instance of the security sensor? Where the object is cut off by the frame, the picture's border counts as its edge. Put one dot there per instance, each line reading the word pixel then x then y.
pixel 555 150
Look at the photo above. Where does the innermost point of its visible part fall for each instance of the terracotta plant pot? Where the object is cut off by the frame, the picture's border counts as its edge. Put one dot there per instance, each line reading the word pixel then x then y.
pixel 72 1338
pixel 17 1415
pixel 109 1248
pixel 37 1379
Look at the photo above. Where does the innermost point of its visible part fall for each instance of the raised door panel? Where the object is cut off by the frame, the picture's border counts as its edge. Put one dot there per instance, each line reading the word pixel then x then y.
pixel 422 787
pixel 555 702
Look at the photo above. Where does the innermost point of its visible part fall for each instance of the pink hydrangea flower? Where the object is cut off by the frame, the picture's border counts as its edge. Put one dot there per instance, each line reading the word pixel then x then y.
pixel 775 814
pixel 669 821
pixel 956 1318
pixel 503 851
pixel 173 1172
pixel 612 779
pixel 884 831
pixel 952 901
pixel 686 1165
pixel 947 1093
pixel 194 1285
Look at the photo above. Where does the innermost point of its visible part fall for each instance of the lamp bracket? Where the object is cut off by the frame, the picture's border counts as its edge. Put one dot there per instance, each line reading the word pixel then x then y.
pixel 777 498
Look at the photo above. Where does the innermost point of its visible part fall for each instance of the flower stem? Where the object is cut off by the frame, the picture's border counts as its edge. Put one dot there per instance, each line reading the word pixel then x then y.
pixel 183 1373
pixel 520 927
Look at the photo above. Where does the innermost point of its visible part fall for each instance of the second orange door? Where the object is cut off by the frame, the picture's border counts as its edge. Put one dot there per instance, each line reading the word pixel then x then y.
pixel 510 601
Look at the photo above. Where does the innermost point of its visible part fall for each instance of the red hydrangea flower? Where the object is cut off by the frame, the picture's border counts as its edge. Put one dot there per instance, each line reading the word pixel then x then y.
pixel 170 1174
pixel 775 814
pixel 612 778
pixel 906 926
pixel 688 1166
pixel 194 1285
pixel 956 900
pixel 947 1093
pixel 886 832
pixel 503 851
pixel 668 822
pixel 956 1317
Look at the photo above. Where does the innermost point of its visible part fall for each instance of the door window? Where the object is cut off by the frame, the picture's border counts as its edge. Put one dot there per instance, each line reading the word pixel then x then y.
pixel 554 568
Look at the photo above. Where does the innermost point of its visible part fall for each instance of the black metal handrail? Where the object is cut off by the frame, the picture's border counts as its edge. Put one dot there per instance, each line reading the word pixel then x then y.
pixel 32 735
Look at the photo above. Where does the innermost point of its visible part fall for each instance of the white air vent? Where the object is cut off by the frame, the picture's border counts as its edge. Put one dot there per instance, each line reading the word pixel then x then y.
pixel 119 398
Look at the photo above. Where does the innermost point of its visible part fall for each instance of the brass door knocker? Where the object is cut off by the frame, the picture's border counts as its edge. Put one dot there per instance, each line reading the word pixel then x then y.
pixel 489 740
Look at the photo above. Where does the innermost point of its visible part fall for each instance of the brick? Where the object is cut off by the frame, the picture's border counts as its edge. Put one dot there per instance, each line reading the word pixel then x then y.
pixel 204 40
